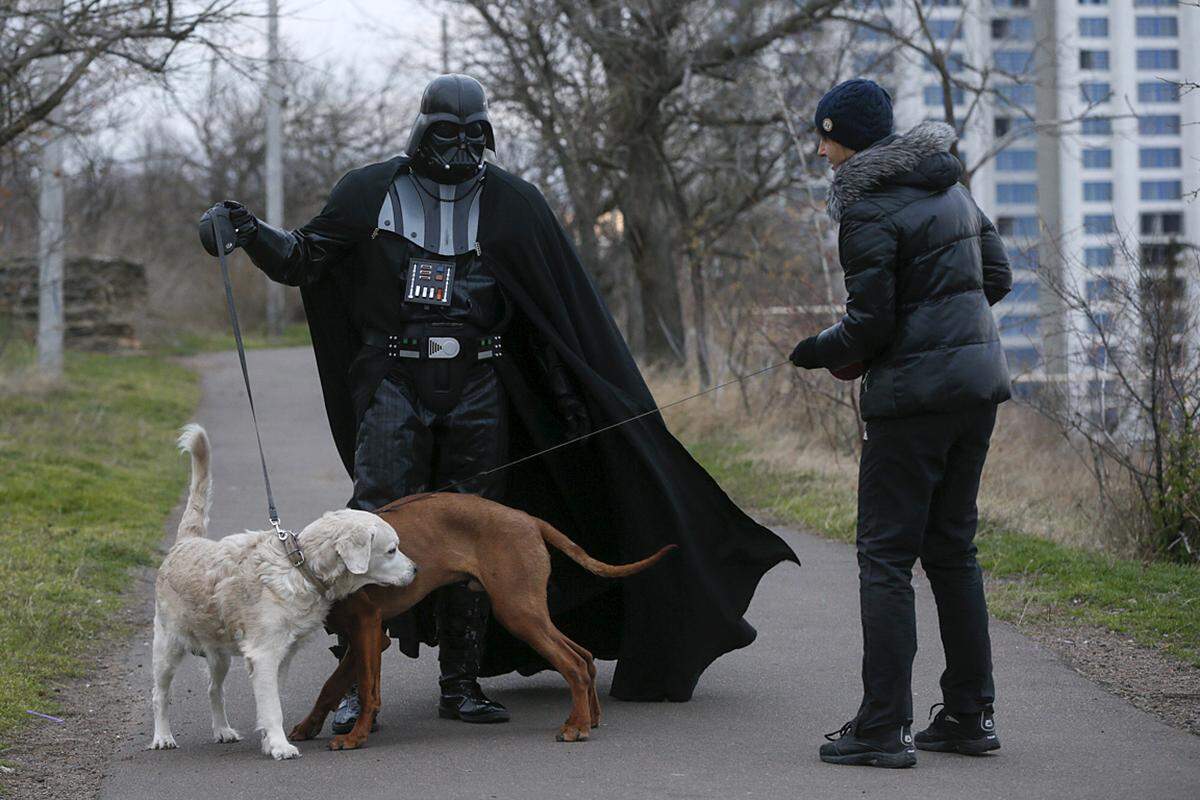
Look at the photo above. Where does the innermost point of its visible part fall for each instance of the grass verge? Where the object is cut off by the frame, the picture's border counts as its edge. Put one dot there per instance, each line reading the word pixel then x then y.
pixel 1030 578
pixel 187 342
pixel 87 475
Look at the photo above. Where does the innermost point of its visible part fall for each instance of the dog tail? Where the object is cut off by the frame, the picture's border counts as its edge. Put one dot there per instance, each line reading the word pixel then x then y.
pixel 557 539
pixel 194 441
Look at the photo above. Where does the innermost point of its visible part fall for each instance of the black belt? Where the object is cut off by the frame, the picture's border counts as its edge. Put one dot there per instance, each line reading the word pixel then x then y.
pixel 433 348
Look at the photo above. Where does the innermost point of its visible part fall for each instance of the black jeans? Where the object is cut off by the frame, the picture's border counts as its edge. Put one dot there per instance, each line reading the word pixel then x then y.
pixel 918 483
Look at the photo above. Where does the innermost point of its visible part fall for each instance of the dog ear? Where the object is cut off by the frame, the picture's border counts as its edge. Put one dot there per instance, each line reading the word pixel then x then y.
pixel 354 547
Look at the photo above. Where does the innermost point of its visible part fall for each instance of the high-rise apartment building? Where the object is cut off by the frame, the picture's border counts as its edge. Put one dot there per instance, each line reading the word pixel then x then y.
pixel 1083 149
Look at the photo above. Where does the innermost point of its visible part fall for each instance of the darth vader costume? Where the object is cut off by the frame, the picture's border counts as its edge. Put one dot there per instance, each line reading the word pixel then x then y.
pixel 455 330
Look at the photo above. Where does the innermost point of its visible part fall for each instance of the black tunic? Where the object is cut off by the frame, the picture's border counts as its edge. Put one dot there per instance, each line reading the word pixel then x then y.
pixel 620 495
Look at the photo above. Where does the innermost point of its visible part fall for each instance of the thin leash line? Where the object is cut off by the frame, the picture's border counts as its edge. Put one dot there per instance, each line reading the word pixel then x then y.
pixel 598 431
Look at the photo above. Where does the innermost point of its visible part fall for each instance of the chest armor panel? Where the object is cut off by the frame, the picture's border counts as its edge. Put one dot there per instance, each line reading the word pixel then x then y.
pixel 440 218
pixel 429 235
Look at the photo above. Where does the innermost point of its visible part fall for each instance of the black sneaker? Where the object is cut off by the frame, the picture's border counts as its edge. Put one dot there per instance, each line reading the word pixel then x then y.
pixel 346 714
pixel 885 747
pixel 955 732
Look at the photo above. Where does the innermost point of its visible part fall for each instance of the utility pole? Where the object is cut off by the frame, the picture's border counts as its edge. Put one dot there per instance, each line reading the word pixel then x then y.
pixel 274 165
pixel 445 45
pixel 51 239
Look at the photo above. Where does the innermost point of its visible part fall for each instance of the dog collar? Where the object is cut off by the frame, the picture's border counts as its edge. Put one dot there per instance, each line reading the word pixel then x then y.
pixel 295 556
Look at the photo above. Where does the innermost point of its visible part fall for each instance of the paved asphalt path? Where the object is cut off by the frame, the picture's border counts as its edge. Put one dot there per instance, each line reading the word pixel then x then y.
pixel 752 729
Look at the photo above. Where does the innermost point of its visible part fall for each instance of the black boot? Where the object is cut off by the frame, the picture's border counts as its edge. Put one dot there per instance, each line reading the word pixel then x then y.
pixel 462 621
pixel 891 746
pixel 971 734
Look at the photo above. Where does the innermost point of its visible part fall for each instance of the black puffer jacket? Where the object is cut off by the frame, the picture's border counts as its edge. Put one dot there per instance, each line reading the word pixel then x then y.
pixel 923 264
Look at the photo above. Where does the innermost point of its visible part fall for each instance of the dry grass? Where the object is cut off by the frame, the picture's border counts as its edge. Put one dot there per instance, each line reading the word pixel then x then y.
pixel 1034 482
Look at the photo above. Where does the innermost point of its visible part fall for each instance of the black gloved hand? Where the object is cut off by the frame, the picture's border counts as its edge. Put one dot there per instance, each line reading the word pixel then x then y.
pixel 245 224
pixel 231 221
pixel 805 354
pixel 574 412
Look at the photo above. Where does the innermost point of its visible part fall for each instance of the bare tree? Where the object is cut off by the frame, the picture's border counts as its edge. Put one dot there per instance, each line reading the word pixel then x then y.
pixel 89 37
pixel 1135 358
pixel 644 72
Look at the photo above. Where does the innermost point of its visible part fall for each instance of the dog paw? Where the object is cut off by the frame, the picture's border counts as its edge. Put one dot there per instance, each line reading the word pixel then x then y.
pixel 305 731
pixel 225 735
pixel 281 751
pixel 163 743
pixel 572 733
pixel 345 742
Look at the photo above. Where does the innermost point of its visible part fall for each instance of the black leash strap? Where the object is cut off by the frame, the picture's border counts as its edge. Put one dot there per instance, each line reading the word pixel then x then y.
pixel 272 514
pixel 290 543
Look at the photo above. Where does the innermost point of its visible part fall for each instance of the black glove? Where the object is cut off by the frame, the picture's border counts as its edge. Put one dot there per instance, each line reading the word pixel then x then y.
pixel 805 354
pixel 236 225
pixel 245 224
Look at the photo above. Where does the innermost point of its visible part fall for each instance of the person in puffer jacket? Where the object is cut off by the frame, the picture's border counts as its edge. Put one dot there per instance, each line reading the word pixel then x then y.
pixel 923 265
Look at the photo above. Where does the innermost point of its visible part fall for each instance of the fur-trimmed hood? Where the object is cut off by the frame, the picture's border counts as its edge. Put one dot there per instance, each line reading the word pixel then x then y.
pixel 903 159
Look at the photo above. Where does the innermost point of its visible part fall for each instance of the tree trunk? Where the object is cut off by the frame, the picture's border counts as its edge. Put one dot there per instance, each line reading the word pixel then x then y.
pixel 650 235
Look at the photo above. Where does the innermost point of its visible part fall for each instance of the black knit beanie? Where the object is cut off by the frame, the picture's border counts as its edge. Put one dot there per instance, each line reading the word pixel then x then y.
pixel 857 114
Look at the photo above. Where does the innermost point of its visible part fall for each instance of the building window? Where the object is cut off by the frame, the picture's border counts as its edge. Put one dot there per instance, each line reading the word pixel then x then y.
pixel 1159 125
pixel 1099 223
pixel 954 64
pixel 1096 126
pixel 1016 192
pixel 1093 2
pixel 1022 257
pixel 1097 257
pixel 1097 157
pixel 1092 59
pixel 1012 61
pixel 1156 2
pixel 1097 191
pixel 1100 288
pixel 1010 3
pixel 1026 227
pixel 1017 29
pixel 934 95
pixel 1016 160
pixel 1021 128
pixel 1022 359
pixel 1019 325
pixel 1164 223
pixel 1158 92
pixel 1158 59
pixel 1153 157
pixel 1157 26
pixel 1017 94
pixel 1095 91
pixel 1093 26
pixel 1023 292
pixel 945 28
pixel 1161 190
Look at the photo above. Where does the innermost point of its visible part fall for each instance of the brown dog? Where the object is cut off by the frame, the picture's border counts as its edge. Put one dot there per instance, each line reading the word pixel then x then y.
pixel 452 538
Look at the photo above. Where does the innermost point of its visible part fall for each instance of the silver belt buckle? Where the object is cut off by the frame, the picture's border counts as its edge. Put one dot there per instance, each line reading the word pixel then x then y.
pixel 443 347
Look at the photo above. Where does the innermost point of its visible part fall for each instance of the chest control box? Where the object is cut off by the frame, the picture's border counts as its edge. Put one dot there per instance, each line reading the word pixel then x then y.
pixel 430 282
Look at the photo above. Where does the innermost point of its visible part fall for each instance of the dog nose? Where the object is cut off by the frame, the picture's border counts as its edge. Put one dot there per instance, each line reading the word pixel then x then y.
pixel 416 569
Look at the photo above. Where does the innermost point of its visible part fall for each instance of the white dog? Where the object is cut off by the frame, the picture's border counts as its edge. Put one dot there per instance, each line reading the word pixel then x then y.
pixel 241 596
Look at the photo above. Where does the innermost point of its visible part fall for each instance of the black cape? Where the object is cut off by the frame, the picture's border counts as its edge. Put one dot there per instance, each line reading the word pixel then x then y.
pixel 621 495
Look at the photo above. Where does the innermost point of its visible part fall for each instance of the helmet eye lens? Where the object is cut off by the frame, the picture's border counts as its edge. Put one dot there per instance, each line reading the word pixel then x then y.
pixel 444 130
pixel 475 130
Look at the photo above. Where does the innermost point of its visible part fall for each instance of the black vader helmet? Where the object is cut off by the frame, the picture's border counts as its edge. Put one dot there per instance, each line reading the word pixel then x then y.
pixel 452 130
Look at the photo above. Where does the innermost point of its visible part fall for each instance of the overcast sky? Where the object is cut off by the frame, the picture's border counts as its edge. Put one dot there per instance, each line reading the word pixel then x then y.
pixel 359 32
